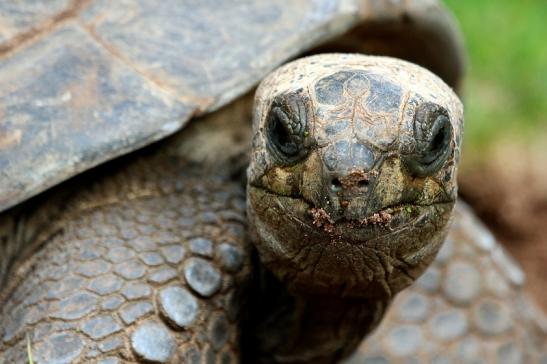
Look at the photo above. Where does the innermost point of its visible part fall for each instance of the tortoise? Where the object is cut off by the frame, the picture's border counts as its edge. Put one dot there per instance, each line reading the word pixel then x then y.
pixel 351 185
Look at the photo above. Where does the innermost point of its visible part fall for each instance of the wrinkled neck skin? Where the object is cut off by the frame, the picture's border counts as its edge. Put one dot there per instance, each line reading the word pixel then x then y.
pixel 289 325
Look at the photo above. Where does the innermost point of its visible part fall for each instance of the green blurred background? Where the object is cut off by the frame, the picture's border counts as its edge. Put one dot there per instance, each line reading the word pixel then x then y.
pixel 503 173
pixel 505 92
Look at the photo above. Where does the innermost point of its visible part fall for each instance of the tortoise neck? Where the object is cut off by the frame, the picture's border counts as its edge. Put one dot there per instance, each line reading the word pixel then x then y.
pixel 298 327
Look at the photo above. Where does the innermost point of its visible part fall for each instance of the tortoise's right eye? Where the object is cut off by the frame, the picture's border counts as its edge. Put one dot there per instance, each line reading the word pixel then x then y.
pixel 286 130
pixel 432 136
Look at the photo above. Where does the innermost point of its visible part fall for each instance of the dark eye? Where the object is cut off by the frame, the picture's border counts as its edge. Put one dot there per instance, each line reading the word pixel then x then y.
pixel 281 133
pixel 286 129
pixel 432 134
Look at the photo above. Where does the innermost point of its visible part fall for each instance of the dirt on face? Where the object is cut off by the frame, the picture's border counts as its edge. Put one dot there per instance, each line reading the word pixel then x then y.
pixel 322 219
pixel 379 218
pixel 507 188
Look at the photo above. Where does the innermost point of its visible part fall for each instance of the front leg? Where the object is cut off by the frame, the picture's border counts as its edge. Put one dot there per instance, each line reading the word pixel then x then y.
pixel 143 267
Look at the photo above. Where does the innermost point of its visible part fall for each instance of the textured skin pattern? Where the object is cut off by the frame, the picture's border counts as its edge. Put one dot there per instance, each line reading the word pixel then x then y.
pixel 468 307
pixel 145 264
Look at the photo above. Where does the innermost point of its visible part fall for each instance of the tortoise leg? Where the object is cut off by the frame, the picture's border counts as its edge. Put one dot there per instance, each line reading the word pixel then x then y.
pixel 138 270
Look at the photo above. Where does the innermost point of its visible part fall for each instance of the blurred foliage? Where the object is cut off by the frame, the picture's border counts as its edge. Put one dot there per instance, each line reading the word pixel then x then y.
pixel 505 92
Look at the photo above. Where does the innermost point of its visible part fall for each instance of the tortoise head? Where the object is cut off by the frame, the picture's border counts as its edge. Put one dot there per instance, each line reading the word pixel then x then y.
pixel 353 173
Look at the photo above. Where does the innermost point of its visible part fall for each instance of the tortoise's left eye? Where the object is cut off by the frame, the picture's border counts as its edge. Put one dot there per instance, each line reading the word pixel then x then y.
pixel 432 135
pixel 286 130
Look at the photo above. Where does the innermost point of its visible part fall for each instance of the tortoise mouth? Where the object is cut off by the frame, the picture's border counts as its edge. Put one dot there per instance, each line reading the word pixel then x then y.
pixel 378 225
pixel 371 258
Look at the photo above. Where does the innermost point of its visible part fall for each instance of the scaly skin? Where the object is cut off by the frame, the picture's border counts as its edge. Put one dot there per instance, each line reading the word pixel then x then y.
pixel 147 255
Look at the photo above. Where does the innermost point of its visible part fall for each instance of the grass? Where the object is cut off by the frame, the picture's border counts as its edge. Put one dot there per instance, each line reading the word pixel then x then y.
pixel 505 92
pixel 29 351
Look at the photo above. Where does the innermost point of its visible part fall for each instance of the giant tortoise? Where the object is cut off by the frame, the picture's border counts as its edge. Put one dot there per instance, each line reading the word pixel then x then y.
pixel 161 255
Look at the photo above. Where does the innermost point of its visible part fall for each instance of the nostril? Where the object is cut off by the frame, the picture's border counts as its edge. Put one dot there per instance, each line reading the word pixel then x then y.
pixel 336 185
